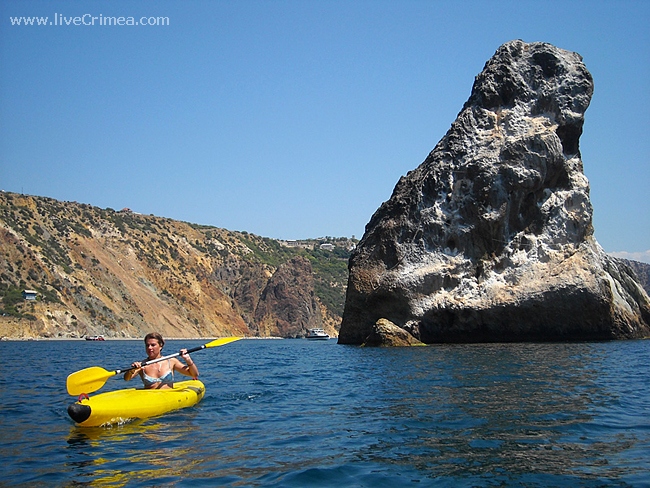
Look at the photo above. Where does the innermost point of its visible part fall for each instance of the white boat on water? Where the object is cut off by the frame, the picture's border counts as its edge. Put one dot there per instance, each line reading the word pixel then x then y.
pixel 317 334
pixel 95 338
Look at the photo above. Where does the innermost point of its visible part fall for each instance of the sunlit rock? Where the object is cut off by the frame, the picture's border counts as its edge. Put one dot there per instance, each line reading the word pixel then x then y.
pixel 491 237
pixel 386 334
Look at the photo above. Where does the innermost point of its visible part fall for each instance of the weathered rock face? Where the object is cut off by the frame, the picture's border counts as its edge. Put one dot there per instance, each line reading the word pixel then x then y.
pixel 491 237
pixel 642 271
pixel 288 306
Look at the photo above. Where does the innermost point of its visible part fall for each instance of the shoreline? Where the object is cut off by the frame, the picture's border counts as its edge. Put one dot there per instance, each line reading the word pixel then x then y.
pixel 114 339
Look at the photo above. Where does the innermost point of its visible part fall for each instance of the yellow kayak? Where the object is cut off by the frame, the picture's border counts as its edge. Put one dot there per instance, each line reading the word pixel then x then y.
pixel 117 407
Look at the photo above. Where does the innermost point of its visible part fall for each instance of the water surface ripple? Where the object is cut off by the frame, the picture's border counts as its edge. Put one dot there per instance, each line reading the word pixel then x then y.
pixel 299 413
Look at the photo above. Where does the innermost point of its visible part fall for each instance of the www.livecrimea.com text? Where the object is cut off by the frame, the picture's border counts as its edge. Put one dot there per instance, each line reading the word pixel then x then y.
pixel 88 20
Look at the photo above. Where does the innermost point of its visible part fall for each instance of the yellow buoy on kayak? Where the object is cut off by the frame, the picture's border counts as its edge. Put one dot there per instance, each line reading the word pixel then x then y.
pixel 117 407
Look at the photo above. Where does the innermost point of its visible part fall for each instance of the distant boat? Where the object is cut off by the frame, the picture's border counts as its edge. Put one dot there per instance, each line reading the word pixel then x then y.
pixel 317 334
pixel 95 338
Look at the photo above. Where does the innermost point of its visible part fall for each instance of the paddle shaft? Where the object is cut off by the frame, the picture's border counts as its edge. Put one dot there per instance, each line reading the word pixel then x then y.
pixel 93 378
pixel 157 360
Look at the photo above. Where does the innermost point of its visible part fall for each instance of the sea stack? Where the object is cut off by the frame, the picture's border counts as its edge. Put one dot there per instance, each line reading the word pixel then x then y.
pixel 490 239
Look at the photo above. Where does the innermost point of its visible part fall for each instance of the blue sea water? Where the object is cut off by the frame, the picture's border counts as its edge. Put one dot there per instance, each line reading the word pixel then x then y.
pixel 294 413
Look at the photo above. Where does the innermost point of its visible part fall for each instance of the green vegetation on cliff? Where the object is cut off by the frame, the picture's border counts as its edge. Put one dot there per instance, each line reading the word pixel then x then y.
pixel 119 272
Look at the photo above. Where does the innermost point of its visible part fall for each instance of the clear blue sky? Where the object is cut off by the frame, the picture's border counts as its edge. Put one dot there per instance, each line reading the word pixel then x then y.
pixel 295 118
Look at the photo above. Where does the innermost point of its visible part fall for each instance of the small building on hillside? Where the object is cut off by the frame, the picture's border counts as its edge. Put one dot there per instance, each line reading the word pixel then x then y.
pixel 299 244
pixel 29 294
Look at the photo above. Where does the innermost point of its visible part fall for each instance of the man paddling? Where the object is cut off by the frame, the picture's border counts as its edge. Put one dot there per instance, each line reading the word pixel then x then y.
pixel 160 374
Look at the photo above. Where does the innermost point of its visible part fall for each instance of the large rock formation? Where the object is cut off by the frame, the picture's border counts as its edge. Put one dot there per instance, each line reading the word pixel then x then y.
pixel 491 237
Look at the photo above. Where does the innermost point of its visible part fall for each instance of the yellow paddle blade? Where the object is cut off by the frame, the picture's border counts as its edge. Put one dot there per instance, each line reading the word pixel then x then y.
pixel 222 341
pixel 87 380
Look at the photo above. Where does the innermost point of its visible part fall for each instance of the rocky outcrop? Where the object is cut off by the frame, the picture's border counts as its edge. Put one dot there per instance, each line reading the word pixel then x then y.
pixel 386 334
pixel 642 271
pixel 491 237
pixel 288 305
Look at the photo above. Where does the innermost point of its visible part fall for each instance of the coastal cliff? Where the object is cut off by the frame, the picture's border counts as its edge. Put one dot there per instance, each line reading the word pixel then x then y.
pixel 121 274
pixel 491 238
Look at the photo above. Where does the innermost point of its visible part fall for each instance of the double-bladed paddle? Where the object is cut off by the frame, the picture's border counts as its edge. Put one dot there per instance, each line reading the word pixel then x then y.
pixel 93 378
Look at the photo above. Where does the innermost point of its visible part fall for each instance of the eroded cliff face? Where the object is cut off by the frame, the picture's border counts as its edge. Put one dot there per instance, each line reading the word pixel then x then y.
pixel 288 306
pixel 491 237
pixel 121 274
